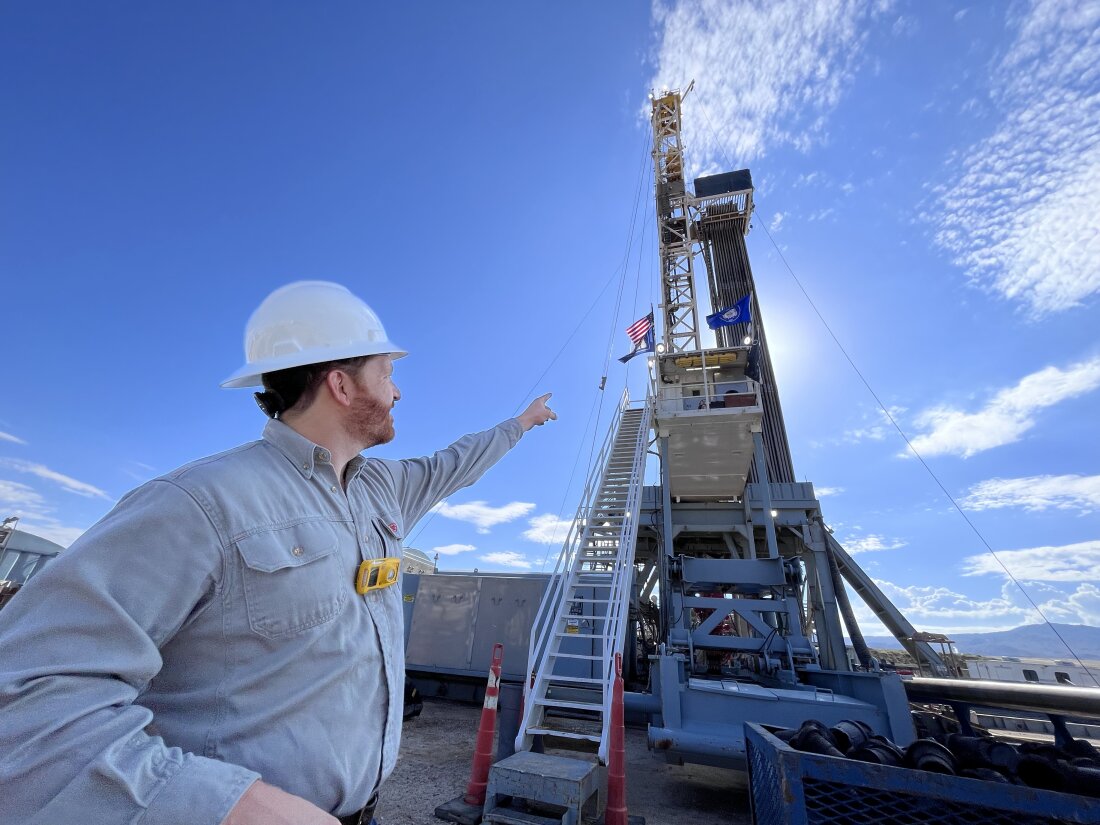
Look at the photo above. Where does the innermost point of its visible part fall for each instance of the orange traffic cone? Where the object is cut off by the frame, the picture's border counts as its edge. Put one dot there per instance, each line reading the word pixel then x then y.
pixel 616 756
pixel 483 752
pixel 467 809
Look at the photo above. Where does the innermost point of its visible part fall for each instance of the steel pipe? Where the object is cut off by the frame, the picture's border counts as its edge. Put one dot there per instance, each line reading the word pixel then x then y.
pixel 1078 702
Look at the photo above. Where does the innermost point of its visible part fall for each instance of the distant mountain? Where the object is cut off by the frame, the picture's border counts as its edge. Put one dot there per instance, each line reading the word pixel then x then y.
pixel 1032 641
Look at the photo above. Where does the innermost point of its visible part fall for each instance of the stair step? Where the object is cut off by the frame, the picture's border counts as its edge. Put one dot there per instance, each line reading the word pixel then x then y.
pixel 588 618
pixel 562 703
pixel 565 734
pixel 501 815
pixel 577 679
pixel 578 656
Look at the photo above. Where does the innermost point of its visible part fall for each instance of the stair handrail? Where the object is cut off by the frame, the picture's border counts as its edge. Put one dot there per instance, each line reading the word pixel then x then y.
pixel 623 576
pixel 562 574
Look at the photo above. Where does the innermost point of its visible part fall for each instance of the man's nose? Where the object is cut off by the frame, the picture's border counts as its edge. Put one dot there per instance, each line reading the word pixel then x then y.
pixel 396 393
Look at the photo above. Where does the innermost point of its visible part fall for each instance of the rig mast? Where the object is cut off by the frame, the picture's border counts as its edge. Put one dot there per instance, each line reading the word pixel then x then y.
pixel 674 227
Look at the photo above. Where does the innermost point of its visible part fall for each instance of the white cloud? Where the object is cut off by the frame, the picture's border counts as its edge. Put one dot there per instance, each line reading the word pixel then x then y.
pixel 1067 563
pixel 875 427
pixel 482 515
pixel 14 439
pixel 139 471
pixel 69 483
pixel 1007 416
pixel 777 221
pixel 943 610
pixel 905 26
pixel 14 495
pixel 1068 492
pixel 35 514
pixel 453 549
pixel 1020 218
pixel 766 74
pixel 507 558
pixel 547 529
pixel 828 491
pixel 871 543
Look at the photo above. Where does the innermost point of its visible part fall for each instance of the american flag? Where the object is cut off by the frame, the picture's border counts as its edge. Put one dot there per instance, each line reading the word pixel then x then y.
pixel 640 329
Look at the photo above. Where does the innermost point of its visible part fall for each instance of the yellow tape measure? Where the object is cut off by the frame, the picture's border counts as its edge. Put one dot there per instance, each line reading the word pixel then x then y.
pixel 376 574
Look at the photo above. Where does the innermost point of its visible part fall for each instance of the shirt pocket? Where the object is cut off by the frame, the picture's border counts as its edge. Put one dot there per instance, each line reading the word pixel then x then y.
pixel 292 578
pixel 390 532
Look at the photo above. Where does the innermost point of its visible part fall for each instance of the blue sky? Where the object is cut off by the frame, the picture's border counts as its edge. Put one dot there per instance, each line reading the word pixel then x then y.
pixel 479 173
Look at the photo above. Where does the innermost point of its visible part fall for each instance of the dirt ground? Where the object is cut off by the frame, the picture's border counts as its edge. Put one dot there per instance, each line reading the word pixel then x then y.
pixel 437 749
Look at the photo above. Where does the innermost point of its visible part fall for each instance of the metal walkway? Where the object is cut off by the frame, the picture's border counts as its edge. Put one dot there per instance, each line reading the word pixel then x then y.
pixel 581 621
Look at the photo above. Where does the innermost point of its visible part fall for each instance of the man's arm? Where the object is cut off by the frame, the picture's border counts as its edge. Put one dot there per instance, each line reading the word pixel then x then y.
pixel 421 483
pixel 80 642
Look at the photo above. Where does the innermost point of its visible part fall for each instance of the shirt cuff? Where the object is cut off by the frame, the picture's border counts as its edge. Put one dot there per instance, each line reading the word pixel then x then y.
pixel 513 429
pixel 203 791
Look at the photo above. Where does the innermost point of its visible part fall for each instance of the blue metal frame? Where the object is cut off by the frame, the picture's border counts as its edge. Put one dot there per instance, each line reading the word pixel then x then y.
pixel 702 720
pixel 788 787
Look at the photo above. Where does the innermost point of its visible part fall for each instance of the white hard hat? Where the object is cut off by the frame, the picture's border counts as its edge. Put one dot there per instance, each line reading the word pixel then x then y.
pixel 308 322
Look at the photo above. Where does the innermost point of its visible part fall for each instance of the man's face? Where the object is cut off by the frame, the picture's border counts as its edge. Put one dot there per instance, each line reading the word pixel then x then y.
pixel 371 415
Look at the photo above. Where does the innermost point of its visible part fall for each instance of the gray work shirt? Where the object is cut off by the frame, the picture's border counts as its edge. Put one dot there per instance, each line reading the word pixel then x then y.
pixel 208 632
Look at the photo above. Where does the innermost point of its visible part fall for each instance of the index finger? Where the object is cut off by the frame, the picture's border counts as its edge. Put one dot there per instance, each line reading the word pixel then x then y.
pixel 543 398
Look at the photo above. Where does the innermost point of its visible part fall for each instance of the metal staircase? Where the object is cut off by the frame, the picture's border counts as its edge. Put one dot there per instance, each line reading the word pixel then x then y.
pixel 581 621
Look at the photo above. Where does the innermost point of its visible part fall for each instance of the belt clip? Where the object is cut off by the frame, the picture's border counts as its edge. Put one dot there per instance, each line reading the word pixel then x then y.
pixel 376 574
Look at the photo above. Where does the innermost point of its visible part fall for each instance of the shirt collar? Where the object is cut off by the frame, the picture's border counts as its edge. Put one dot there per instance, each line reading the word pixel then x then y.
pixel 302 452
pixel 355 466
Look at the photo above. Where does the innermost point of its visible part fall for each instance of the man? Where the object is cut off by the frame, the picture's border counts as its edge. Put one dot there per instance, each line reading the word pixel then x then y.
pixel 210 651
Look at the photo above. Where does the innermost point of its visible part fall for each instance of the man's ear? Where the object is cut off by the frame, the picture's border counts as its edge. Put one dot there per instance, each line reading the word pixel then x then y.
pixel 338 383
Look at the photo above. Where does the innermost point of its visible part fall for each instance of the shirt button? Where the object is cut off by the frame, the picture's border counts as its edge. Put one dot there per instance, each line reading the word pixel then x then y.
pixel 333 488
pixel 305 465
pixel 297 551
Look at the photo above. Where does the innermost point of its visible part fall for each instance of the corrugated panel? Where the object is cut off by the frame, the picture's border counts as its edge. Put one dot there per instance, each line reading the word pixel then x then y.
pixel 730 276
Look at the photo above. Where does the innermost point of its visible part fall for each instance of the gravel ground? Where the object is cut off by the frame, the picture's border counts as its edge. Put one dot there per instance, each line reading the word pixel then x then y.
pixel 437 749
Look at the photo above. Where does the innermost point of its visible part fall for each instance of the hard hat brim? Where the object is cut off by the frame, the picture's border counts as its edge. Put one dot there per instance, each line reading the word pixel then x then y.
pixel 251 375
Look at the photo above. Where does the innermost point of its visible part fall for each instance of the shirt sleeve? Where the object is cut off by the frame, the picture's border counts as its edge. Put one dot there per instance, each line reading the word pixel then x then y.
pixel 421 483
pixel 80 642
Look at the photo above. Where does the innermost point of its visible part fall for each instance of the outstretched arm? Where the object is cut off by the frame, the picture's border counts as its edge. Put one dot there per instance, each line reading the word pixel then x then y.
pixel 421 483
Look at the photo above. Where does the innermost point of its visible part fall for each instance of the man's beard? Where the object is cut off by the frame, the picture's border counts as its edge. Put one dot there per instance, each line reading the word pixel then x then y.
pixel 369 422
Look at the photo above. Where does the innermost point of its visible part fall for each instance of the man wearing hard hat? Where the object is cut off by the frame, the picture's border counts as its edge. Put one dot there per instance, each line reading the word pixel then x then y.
pixel 226 645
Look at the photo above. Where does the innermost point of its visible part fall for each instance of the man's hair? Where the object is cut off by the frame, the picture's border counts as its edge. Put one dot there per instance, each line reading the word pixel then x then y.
pixel 297 387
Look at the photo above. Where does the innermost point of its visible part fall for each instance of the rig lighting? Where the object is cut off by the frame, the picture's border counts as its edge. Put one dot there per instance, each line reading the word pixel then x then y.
pixel 775 513
pixel 660 348
pixel 747 341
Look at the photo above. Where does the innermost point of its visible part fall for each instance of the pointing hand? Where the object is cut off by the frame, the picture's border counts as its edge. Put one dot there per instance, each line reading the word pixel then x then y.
pixel 537 413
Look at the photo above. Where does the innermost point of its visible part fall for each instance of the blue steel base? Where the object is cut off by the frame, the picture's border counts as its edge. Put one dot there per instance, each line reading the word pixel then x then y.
pixel 702 720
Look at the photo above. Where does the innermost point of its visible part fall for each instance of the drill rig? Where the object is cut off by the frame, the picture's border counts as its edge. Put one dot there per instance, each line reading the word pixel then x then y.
pixel 721 583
